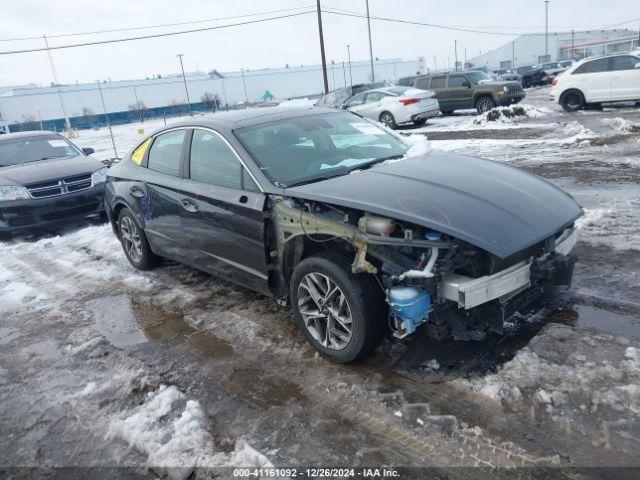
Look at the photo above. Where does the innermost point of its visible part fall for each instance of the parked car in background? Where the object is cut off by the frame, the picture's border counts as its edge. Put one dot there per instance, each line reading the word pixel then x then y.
pixel 475 89
pixel 567 63
pixel 510 77
pixel 326 211
pixel 46 180
pixel 532 76
pixel 339 96
pixel 394 106
pixel 552 69
pixel 593 81
pixel 406 81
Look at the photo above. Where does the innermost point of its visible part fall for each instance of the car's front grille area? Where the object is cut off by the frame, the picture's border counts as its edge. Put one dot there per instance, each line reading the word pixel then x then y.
pixel 60 187
pixel 515 88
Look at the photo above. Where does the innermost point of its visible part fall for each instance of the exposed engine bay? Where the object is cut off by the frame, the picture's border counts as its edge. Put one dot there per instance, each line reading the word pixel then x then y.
pixel 429 280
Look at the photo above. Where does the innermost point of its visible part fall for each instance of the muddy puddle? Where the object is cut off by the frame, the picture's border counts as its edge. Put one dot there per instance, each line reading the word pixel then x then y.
pixel 263 391
pixel 124 322
pixel 598 320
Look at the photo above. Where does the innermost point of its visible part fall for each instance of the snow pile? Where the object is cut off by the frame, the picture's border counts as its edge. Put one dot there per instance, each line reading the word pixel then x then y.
pixel 419 145
pixel 297 103
pixel 621 124
pixel 592 376
pixel 509 115
pixel 172 432
pixel 577 134
pixel 616 226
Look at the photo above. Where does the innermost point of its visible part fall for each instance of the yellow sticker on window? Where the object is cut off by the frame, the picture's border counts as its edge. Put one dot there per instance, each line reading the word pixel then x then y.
pixel 138 153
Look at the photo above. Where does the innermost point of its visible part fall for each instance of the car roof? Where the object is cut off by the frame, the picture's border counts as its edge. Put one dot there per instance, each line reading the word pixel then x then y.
pixel 30 133
pixel 234 119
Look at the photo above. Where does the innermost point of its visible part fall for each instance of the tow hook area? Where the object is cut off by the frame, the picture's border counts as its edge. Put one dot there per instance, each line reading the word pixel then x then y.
pixel 409 308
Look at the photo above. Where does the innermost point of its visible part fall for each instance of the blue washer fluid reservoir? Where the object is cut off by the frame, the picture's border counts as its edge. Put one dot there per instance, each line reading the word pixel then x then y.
pixel 409 308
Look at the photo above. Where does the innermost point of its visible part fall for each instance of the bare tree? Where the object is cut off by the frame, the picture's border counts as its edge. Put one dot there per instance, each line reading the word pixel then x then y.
pixel 210 100
pixel 139 108
pixel 176 107
pixel 87 115
pixel 29 122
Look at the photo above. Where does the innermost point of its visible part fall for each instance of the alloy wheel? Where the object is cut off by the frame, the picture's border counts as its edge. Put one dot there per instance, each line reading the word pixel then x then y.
pixel 387 120
pixel 484 105
pixel 131 239
pixel 325 311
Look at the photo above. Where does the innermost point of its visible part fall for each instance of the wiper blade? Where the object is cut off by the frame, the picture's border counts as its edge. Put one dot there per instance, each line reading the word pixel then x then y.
pixel 364 166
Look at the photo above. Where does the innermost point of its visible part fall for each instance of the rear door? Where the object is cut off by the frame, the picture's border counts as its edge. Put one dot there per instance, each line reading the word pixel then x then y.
pixel 460 91
pixel 438 85
pixel 157 189
pixel 371 107
pixel 625 78
pixel 594 80
pixel 222 212
pixel 356 104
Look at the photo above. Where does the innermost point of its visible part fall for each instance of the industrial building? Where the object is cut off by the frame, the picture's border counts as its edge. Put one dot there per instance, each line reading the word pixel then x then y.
pixel 30 106
pixel 530 49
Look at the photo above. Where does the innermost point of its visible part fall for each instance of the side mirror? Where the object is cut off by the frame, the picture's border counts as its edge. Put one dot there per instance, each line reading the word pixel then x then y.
pixel 466 83
pixel 88 150
pixel 637 66
pixel 343 106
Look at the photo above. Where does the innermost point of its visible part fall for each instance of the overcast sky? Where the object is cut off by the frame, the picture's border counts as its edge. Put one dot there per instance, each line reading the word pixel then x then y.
pixel 292 41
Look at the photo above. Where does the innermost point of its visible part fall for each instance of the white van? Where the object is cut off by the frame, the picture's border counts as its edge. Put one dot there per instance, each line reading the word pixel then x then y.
pixel 613 78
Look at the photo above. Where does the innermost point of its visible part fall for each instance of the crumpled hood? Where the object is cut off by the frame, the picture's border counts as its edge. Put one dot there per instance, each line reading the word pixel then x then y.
pixel 44 170
pixel 491 205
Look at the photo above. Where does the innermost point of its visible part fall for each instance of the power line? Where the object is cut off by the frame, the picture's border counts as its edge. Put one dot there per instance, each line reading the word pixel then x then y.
pixel 472 28
pixel 156 35
pixel 144 27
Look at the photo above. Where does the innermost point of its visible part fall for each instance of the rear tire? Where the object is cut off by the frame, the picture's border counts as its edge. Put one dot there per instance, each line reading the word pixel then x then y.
pixel 420 121
pixel 342 327
pixel 484 104
pixel 387 119
pixel 5 236
pixel 446 112
pixel 134 242
pixel 572 101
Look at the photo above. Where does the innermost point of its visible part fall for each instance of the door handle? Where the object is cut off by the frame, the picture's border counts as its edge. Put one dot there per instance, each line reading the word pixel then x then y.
pixel 189 205
pixel 243 199
pixel 136 192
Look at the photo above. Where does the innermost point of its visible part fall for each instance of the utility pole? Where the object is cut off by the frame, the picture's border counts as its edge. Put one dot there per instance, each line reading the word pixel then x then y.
pixel 513 54
pixel 333 74
pixel 546 30
pixel 57 83
pixel 349 57
pixel 435 65
pixel 573 43
pixel 344 74
pixel 106 115
pixel 184 79
pixel 324 61
pixel 224 94
pixel 455 52
pixel 135 92
pixel 464 66
pixel 244 85
pixel 373 77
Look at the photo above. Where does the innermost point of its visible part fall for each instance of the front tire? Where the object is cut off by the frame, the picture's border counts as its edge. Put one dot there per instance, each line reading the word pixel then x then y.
pixel 386 118
pixel 420 121
pixel 339 313
pixel 134 242
pixel 572 101
pixel 484 104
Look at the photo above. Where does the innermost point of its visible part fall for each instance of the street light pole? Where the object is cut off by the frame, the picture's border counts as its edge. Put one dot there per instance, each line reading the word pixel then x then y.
pixel 106 115
pixel 325 78
pixel 244 85
pixel 455 52
pixel 135 92
pixel 184 79
pixel 349 57
pixel 435 64
pixel 573 43
pixel 57 82
pixel 373 79
pixel 546 30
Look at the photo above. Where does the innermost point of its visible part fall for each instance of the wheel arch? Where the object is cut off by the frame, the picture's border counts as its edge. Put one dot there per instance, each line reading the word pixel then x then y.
pixel 568 90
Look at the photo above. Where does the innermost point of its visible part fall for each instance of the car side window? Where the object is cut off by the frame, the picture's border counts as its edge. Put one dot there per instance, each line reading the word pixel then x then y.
pixel 438 82
pixel 213 162
pixel 357 100
pixel 422 83
pixel 165 153
pixel 457 81
pixel 626 62
pixel 373 97
pixel 594 66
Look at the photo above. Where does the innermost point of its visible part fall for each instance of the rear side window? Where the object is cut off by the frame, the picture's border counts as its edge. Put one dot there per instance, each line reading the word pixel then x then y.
pixel 213 162
pixel 437 82
pixel 594 66
pixel 357 100
pixel 374 97
pixel 165 153
pixel 457 81
pixel 423 83
pixel 626 62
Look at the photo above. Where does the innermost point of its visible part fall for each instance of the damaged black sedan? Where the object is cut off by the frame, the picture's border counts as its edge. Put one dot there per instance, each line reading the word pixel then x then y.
pixel 342 219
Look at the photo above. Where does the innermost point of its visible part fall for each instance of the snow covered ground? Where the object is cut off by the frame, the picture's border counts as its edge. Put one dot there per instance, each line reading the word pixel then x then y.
pixel 172 369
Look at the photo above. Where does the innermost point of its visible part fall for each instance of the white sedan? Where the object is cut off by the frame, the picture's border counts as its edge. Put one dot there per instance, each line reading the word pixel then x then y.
pixel 395 105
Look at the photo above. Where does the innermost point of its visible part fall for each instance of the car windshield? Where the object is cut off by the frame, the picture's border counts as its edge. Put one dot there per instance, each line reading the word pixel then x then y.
pixel 478 77
pixel 315 147
pixel 32 149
